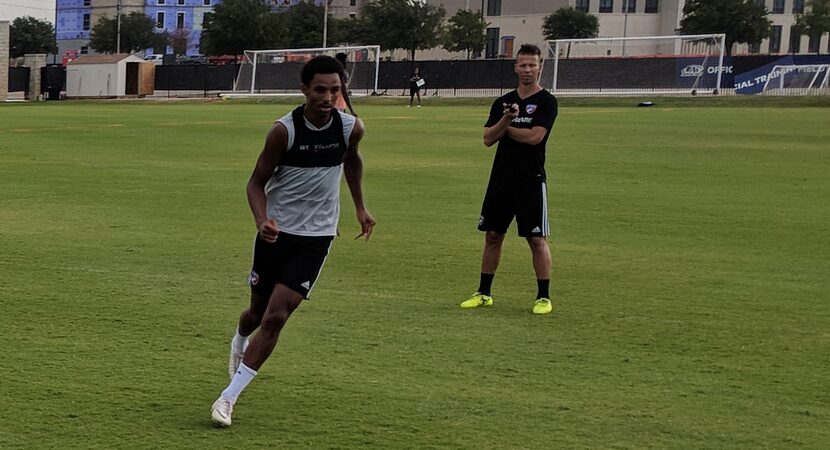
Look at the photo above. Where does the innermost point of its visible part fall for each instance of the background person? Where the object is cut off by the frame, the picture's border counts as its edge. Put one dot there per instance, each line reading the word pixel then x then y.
pixel 520 121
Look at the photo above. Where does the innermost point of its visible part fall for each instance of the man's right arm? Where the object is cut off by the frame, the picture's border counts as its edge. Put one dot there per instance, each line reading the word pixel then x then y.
pixel 275 146
pixel 493 133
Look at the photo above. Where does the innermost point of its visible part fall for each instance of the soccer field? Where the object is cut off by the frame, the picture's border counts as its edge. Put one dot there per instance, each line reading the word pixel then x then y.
pixel 691 284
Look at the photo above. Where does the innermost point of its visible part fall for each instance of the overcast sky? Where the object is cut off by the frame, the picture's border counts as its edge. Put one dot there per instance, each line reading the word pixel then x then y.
pixel 41 9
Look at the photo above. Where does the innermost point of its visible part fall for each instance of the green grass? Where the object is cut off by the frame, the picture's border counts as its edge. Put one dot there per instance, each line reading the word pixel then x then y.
pixel 691 282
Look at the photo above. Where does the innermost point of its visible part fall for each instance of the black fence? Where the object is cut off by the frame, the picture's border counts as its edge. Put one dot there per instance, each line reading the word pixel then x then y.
pixel 18 79
pixel 447 76
pixel 195 77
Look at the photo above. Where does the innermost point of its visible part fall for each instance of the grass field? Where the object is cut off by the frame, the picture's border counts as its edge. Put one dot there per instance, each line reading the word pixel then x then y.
pixel 691 281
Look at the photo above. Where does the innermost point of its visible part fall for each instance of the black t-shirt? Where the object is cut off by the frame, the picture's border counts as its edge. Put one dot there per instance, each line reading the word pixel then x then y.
pixel 514 159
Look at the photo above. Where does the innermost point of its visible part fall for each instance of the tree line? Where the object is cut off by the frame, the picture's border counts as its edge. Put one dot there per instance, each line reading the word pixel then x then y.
pixel 238 25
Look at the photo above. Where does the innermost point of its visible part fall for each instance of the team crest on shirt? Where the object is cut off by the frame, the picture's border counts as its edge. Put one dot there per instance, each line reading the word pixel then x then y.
pixel 253 278
pixel 530 108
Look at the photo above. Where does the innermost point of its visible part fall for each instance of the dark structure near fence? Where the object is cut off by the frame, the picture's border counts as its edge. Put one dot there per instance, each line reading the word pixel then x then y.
pixel 18 79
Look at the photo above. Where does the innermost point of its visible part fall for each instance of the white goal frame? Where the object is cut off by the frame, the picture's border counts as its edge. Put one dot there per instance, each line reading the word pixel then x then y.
pixel 775 85
pixel 556 46
pixel 252 57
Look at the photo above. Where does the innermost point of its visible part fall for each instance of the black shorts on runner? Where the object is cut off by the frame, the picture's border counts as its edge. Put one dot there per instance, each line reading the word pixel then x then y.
pixel 292 260
pixel 505 199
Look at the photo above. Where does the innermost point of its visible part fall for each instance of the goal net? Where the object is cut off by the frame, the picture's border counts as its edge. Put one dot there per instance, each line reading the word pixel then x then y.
pixel 798 79
pixel 690 64
pixel 277 72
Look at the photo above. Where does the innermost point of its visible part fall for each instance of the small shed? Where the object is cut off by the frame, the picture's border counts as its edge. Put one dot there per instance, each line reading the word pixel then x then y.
pixel 109 76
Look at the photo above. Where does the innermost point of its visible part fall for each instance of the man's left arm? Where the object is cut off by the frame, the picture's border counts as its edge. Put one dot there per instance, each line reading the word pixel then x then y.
pixel 353 168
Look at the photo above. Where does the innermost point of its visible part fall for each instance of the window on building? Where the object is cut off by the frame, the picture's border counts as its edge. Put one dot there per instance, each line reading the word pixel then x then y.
pixel 629 6
pixel 778 7
pixel 491 49
pixel 606 6
pixel 86 2
pixel 352 2
pixel 583 5
pixel 160 20
pixel 84 50
pixel 814 46
pixel 755 47
pixel 775 39
pixel 179 20
pixel 494 8
pixel 352 15
pixel 652 6
pixel 160 2
pixel 798 6
pixel 795 40
pixel 208 16
pixel 181 2
pixel 206 3
pixel 86 22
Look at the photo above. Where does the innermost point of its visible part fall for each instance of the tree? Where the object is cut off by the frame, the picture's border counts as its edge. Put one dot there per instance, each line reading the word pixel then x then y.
pixel 137 34
pixel 816 22
pixel 467 31
pixel 239 25
pixel 570 23
pixel 305 26
pixel 406 24
pixel 743 21
pixel 30 35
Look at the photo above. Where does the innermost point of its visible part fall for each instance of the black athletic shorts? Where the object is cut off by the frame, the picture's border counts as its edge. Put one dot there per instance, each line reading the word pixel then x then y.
pixel 292 260
pixel 527 201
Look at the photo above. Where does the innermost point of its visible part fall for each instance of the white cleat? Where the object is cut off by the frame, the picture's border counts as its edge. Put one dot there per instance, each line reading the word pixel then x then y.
pixel 221 412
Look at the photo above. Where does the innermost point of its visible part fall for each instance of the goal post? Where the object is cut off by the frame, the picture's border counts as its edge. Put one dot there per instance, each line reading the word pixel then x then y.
pixel 798 79
pixel 277 72
pixel 678 64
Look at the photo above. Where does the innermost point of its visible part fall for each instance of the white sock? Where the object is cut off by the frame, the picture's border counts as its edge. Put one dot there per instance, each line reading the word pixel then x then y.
pixel 240 380
pixel 239 343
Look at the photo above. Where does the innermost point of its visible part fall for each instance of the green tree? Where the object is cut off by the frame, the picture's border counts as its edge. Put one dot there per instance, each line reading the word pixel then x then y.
pixel 137 34
pixel 570 23
pixel 30 35
pixel 743 21
pixel 353 31
pixel 816 21
pixel 467 31
pixel 305 26
pixel 239 25
pixel 404 24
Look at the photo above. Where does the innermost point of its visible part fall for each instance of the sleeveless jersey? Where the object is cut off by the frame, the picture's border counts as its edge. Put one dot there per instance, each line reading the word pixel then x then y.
pixel 303 195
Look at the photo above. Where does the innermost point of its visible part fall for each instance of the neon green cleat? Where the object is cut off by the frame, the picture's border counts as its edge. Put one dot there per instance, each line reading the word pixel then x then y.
pixel 477 300
pixel 542 306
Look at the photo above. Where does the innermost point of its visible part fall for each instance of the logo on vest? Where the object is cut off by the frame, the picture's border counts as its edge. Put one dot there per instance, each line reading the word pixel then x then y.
pixel 530 108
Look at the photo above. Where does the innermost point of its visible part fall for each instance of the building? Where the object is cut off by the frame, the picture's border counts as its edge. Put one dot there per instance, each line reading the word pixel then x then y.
pixel 182 20
pixel 514 22
pixel 74 20
pixel 179 18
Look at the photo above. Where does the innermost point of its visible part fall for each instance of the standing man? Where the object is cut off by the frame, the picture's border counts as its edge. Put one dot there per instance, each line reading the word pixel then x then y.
pixel 415 83
pixel 294 195
pixel 520 122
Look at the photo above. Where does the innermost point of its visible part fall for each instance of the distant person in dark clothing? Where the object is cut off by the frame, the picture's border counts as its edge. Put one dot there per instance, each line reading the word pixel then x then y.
pixel 344 101
pixel 415 83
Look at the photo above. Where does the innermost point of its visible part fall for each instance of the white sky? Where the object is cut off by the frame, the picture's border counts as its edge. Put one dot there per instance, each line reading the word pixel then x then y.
pixel 40 9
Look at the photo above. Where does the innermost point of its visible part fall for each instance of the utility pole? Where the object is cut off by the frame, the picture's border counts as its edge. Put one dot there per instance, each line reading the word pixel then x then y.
pixel 325 20
pixel 118 32
pixel 625 24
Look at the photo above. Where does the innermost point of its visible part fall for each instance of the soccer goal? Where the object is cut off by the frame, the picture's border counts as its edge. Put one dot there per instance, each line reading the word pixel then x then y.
pixel 798 79
pixel 671 65
pixel 277 72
